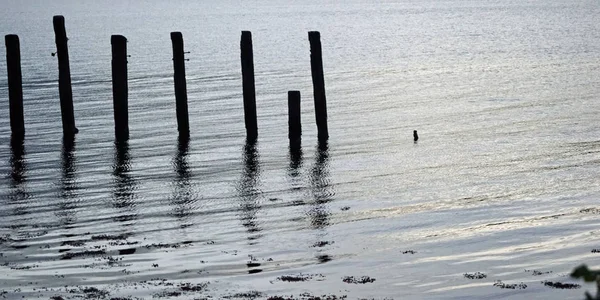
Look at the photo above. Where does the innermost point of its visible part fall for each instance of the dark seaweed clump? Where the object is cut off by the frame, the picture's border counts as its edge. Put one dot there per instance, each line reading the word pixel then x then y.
pixel 188 287
pixel 90 292
pixel 560 285
pixel 538 273
pixel 181 288
pixel 308 296
pixel 299 277
pixel 513 286
pixel 107 237
pixel 476 275
pixel 71 255
pixel 591 210
pixel 358 280
pixel 165 294
pixel 246 295
pixel 322 244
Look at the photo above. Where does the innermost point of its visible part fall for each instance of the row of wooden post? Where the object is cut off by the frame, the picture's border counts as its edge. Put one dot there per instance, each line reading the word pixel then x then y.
pixel 120 86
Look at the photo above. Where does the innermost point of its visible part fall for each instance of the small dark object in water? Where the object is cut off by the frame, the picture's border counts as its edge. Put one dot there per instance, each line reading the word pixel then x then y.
pixel 324 258
pixel 127 251
pixel 415 135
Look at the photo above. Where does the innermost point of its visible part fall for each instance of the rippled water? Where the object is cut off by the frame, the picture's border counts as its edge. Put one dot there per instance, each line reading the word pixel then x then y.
pixel 503 181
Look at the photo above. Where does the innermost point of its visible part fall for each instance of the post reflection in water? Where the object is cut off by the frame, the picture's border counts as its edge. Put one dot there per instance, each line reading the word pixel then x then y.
pixel 183 193
pixel 296 157
pixel 249 192
pixel 322 193
pixel 124 189
pixel 68 185
pixel 17 191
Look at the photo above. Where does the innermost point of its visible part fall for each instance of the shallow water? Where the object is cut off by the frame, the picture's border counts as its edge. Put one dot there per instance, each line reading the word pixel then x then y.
pixel 502 181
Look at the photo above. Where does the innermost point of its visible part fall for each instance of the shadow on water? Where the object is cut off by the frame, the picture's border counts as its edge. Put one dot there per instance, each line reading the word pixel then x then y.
pixel 124 189
pixel 183 192
pixel 249 192
pixel 18 192
pixel 322 193
pixel 68 184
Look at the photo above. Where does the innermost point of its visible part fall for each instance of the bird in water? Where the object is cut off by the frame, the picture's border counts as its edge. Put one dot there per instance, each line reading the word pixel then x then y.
pixel 415 135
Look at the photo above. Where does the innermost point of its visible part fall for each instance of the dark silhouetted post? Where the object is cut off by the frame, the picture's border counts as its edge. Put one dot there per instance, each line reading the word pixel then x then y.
pixel 316 67
pixel 248 85
pixel 64 77
pixel 295 126
pixel 119 79
pixel 15 85
pixel 183 123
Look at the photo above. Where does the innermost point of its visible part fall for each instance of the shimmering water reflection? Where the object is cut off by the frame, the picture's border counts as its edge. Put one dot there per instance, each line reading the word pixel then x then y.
pixel 503 180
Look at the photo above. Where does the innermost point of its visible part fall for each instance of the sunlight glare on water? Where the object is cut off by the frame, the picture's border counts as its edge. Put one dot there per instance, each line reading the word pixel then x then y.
pixel 499 191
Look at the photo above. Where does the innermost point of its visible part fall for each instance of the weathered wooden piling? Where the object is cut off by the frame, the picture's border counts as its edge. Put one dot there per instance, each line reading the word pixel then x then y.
pixel 294 124
pixel 316 67
pixel 248 85
pixel 64 77
pixel 181 106
pixel 15 85
pixel 119 81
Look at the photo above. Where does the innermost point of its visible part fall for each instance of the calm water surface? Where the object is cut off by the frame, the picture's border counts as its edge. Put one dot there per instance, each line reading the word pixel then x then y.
pixel 504 180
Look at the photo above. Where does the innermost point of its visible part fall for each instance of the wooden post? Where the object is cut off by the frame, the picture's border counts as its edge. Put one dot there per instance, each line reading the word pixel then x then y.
pixel 181 106
pixel 15 85
pixel 248 85
pixel 316 67
pixel 294 124
pixel 119 79
pixel 64 77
